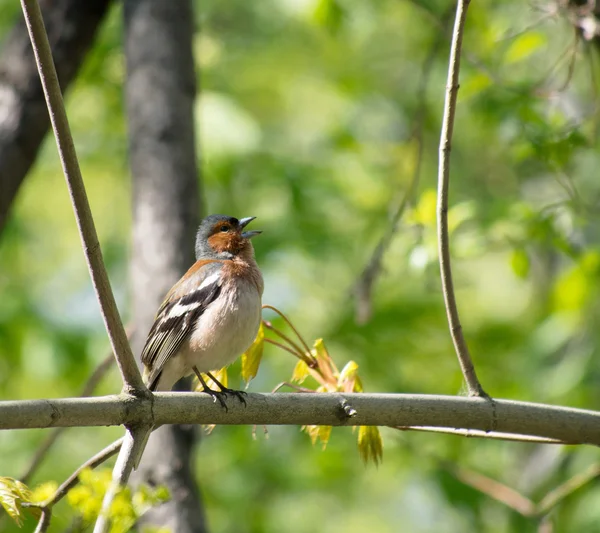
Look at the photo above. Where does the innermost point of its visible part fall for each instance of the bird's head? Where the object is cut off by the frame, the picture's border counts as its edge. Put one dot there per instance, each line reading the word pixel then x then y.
pixel 223 237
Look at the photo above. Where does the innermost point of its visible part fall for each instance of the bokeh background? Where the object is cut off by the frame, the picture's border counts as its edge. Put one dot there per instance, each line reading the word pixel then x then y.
pixel 320 117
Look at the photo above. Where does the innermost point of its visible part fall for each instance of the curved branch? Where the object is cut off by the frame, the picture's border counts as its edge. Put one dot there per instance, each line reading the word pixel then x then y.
pixel 73 479
pixel 132 380
pixel 460 344
pixel 576 426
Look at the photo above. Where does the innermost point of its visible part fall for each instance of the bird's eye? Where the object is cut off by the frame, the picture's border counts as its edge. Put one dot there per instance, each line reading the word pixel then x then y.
pixel 224 228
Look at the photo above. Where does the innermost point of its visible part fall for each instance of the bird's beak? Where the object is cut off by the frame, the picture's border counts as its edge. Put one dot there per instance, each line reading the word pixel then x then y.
pixel 248 234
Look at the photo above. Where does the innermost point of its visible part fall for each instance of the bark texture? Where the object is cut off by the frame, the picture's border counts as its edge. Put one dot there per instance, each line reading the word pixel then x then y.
pixel 72 26
pixel 160 92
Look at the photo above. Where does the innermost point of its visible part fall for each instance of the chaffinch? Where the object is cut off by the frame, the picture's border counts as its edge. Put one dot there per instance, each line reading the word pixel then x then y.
pixel 212 314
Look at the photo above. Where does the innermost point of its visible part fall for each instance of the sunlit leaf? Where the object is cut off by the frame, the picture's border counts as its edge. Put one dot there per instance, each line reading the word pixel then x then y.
pixel 127 506
pixel 425 210
pixel 524 45
pixel 349 380
pixel 44 491
pixel 324 434
pixel 252 357
pixel 473 85
pixel 370 445
pixel 318 433
pixel 87 496
pixel 301 372
pixel 329 14
pixel 325 364
pixel 571 290
pixel 519 262
pixel 12 494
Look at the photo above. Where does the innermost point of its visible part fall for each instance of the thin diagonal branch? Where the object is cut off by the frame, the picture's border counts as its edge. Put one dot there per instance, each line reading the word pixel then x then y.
pixel 131 452
pixel 555 496
pixel 44 522
pixel 132 380
pixel 460 344
pixel 73 479
pixel 479 434
pixel 492 488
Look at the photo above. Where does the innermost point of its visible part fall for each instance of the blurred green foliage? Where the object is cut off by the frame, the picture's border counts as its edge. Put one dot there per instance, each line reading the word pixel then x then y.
pixel 308 120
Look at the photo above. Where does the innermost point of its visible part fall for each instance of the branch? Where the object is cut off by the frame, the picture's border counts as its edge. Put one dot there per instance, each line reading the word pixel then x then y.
pixel 555 496
pixel 71 481
pixel 460 344
pixel 132 380
pixel 492 488
pixel 576 426
pixel 131 452
pixel 44 522
pixel 478 434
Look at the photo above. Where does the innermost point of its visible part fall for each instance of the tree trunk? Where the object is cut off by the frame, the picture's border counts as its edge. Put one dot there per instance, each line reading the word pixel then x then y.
pixel 160 92
pixel 71 26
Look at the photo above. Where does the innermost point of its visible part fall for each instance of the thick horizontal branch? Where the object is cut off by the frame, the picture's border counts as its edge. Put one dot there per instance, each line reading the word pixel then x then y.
pixel 576 426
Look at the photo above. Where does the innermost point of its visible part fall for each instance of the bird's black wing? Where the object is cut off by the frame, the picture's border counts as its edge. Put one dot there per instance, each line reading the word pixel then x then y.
pixel 176 318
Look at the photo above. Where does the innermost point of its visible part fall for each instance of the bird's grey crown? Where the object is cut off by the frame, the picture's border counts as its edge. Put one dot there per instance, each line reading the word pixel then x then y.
pixel 205 230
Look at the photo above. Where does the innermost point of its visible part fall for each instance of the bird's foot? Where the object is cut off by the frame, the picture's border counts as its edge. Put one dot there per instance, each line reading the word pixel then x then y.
pixel 219 396
pixel 240 395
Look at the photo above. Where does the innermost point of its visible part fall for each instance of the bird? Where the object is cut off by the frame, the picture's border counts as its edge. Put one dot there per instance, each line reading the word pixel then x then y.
pixel 212 314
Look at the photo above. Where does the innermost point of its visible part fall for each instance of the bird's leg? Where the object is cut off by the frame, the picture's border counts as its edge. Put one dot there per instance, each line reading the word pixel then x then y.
pixel 216 395
pixel 237 393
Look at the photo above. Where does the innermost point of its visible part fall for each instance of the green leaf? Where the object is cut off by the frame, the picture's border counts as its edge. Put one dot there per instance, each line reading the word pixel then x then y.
pixel 473 85
pixel 252 356
pixel 519 262
pixel 300 372
pixel 524 46
pixel 329 14
pixel 12 494
pixel 326 367
pixel 349 380
pixel 370 444
pixel 321 433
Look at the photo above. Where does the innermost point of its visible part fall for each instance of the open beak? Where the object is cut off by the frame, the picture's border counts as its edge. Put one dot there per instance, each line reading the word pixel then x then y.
pixel 248 234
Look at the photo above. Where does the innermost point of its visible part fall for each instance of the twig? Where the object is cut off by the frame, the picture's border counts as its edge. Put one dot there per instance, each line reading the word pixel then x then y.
pixel 460 344
pixel 88 389
pixel 561 492
pixel 132 380
pixel 478 434
pixel 494 489
pixel 308 361
pixel 73 479
pixel 131 451
pixel 44 522
pixel 47 505
pixel 289 323
pixel 283 336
